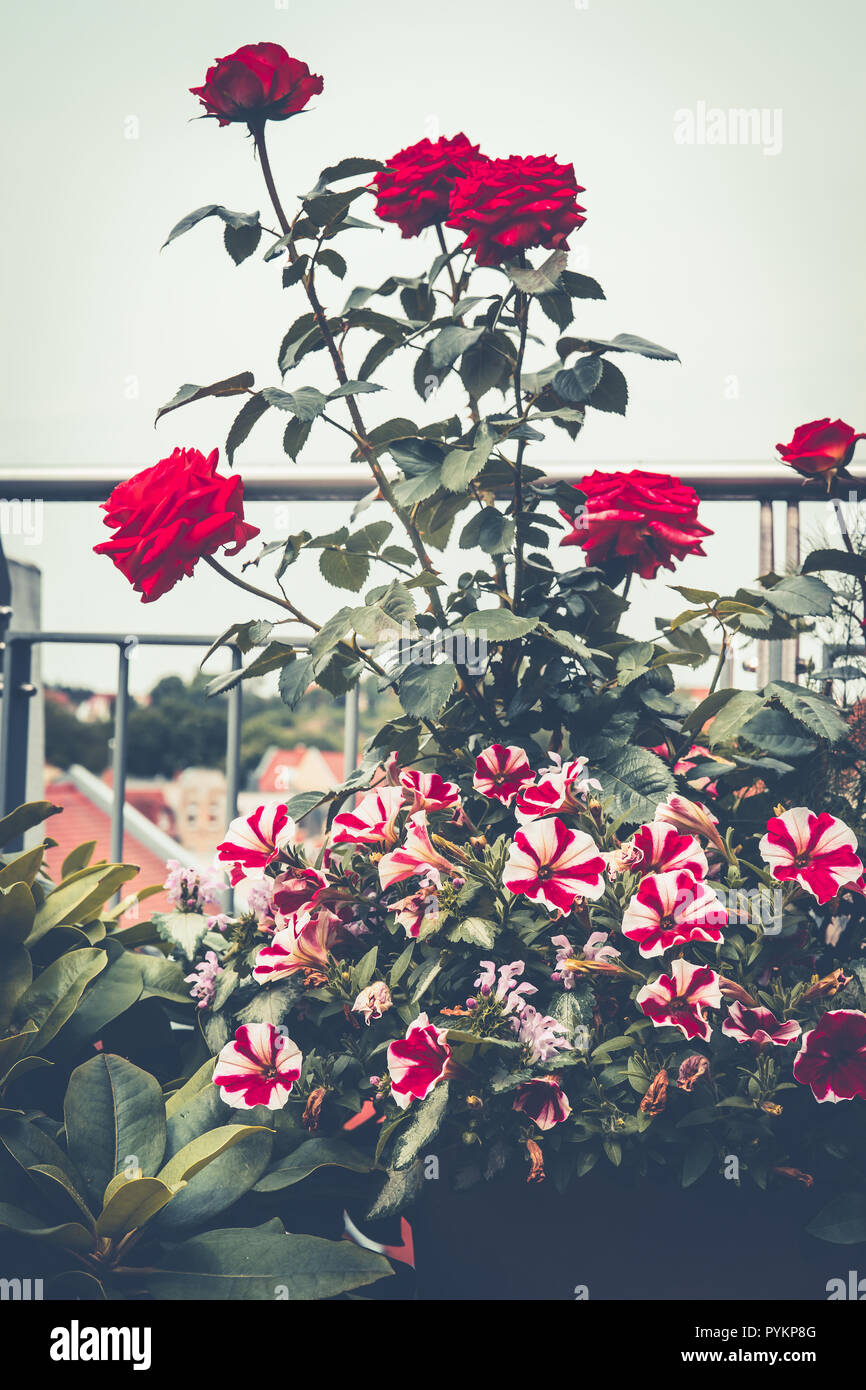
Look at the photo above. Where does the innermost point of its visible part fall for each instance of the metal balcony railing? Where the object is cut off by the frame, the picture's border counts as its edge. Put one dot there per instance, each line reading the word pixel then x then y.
pixel 758 482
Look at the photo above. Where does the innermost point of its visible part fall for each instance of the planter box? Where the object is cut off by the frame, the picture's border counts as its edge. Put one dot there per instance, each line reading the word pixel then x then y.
pixel 620 1236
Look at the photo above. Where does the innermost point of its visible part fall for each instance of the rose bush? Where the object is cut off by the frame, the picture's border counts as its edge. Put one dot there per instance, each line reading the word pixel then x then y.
pixel 562 916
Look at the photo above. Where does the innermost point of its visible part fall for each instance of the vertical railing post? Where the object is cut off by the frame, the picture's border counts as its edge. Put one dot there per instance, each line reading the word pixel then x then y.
pixel 234 720
pixel 233 740
pixel 118 761
pixel 350 731
pixel 791 648
pixel 766 561
pixel 14 725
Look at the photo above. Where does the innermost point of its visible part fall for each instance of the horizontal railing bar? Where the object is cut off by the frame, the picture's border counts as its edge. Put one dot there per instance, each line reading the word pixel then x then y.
pixel 713 480
pixel 148 639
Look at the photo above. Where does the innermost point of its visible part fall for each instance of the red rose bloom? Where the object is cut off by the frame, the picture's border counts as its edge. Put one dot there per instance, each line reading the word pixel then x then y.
pixel 414 189
pixel 507 205
pixel 260 82
pixel 166 518
pixel 646 519
pixel 823 447
pixel 832 1057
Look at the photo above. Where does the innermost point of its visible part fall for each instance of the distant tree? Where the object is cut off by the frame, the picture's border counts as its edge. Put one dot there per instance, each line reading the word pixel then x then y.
pixel 68 740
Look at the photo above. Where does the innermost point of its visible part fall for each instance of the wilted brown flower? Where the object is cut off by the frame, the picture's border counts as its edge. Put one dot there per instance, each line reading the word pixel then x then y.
pixel 536 1158
pixel 797 1174
pixel 656 1096
pixel 691 1071
pixel 312 1109
pixel 827 986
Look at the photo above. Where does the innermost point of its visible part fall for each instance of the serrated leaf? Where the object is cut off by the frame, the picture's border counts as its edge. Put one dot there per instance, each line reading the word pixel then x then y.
pixel 817 713
pixel 424 1125
pixel 497 624
pixel 541 280
pixel 576 384
pixel 251 411
pixel 192 219
pixel 344 569
pixel 424 690
pixel 232 386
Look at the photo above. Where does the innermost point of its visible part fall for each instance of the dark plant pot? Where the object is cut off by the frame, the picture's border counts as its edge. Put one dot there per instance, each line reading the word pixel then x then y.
pixel 615 1235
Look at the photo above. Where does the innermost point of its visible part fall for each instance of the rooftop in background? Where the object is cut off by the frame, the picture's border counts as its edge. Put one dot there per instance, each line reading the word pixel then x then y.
pixel 82 820
pixel 285 771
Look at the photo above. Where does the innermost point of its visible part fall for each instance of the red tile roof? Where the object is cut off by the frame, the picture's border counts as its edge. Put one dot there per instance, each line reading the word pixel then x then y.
pixel 280 757
pixel 81 821
pixel 335 763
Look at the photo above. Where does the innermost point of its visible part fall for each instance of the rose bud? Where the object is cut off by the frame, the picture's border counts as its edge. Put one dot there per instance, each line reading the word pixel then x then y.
pixel 823 448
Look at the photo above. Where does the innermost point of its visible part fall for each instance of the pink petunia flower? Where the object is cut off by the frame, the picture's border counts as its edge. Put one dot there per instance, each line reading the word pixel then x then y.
pixel 690 818
pixel 373 1001
pixel 259 1068
pixel 414 856
pixel 671 909
pixel 832 1056
pixel 561 789
pixel 420 908
pixel 817 851
pixel 293 890
pixel 429 791
pixel 663 848
pixel 417 1062
pixel 551 864
pixel 304 944
pixel 255 841
pixel 544 1101
pixel 501 772
pixel 373 821
pixel 620 860
pixel 759 1026
pixel 679 999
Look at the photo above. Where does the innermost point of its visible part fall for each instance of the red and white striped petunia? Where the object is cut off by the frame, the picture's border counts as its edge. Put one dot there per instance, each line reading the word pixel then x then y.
pixel 554 865
pixel 303 944
pixel 832 1056
pixel 690 818
pixel 544 1101
pixel 255 841
pixel 501 772
pixel 259 1068
pixel 759 1026
pixel 429 791
pixel 373 821
pixel 671 909
pixel 560 789
pixel 679 999
pixel 417 1062
pixel 818 851
pixel 663 849
pixel 293 890
pixel 414 856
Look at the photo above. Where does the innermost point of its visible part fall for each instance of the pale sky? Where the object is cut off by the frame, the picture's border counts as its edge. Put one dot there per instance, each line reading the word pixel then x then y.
pixel 747 263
